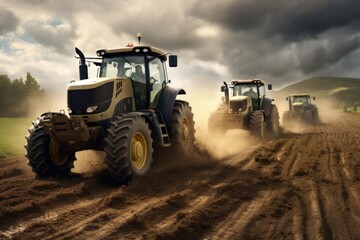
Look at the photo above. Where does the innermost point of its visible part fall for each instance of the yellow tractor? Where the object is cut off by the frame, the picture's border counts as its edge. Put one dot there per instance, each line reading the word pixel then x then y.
pixel 245 106
pixel 301 108
pixel 128 111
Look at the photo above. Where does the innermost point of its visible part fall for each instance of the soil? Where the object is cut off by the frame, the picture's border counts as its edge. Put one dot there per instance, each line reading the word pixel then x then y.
pixel 301 185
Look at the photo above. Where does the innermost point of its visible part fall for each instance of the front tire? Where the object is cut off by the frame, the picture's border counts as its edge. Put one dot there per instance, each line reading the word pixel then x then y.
pixel 43 153
pixel 128 148
pixel 257 124
pixel 273 121
pixel 182 132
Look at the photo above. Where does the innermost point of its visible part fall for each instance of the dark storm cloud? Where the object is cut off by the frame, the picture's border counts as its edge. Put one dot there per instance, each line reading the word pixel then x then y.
pixel 318 54
pixel 290 19
pixel 165 27
pixel 8 21
pixel 275 38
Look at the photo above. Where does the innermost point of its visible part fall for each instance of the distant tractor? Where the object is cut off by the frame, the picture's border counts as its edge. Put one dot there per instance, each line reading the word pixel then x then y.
pixel 128 111
pixel 245 106
pixel 301 108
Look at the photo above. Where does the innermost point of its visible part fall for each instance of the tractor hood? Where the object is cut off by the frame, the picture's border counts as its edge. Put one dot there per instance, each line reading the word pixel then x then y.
pixel 239 104
pixel 297 104
pixel 238 98
pixel 91 83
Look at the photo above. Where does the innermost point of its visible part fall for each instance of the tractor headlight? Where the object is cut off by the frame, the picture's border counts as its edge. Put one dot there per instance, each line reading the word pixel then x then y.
pixel 69 110
pixel 91 109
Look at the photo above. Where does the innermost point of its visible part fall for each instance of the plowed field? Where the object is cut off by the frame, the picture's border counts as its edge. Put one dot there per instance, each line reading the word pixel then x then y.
pixel 301 185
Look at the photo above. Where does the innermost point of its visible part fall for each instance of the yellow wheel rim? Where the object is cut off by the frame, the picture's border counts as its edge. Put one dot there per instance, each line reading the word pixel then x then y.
pixel 55 155
pixel 138 150
pixel 185 131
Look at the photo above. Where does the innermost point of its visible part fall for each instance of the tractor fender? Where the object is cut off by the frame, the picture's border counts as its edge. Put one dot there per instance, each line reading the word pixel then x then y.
pixel 167 101
pixel 266 106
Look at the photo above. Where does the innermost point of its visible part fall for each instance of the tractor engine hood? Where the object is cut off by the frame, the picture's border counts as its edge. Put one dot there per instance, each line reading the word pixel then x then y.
pixel 239 104
pixel 298 106
pixel 98 96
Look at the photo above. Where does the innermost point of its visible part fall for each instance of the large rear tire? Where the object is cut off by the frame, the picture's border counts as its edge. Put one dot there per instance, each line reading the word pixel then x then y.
pixel 272 122
pixel 182 131
pixel 128 148
pixel 308 117
pixel 257 124
pixel 44 156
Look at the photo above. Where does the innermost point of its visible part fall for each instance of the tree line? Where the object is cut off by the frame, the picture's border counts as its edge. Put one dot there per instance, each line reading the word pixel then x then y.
pixel 18 95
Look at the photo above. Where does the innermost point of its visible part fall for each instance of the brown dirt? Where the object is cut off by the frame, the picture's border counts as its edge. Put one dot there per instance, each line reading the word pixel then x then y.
pixel 303 185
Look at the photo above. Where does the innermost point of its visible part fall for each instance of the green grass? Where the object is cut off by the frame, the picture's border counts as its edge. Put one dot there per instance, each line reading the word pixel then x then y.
pixel 12 136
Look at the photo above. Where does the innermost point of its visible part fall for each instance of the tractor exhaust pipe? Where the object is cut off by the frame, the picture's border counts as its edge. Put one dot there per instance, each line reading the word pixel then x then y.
pixel 83 69
pixel 226 91
pixel 290 103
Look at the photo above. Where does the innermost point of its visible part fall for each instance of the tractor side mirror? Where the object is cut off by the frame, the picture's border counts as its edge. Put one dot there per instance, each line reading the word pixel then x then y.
pixel 313 98
pixel 222 89
pixel 173 61
pixel 287 99
pixel 269 86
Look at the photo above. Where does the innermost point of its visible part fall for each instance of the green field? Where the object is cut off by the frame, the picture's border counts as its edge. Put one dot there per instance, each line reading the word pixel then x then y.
pixel 12 136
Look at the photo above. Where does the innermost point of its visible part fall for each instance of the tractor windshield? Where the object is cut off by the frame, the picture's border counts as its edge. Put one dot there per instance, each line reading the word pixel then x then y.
pixel 123 66
pixel 250 90
pixel 301 99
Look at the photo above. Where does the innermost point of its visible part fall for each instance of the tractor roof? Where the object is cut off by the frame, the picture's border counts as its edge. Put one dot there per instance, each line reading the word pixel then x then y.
pixel 300 95
pixel 146 50
pixel 247 81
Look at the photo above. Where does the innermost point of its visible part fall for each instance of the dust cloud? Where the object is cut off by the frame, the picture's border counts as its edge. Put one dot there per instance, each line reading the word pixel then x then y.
pixel 38 106
pixel 89 162
pixel 203 103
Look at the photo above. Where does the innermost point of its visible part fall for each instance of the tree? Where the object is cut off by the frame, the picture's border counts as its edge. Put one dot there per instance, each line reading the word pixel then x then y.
pixel 15 95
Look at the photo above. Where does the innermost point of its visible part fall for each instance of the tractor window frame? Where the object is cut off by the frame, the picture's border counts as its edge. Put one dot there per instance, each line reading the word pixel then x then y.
pixel 157 71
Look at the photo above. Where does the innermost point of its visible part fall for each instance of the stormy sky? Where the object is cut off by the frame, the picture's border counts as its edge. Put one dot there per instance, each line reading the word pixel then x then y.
pixel 281 41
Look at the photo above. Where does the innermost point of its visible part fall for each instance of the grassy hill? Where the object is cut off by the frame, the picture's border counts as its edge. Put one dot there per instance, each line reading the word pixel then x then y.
pixel 326 85
pixel 342 91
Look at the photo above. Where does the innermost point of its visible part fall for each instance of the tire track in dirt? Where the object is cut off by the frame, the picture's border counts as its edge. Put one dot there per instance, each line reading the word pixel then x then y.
pixel 235 224
pixel 47 217
pixel 299 220
pixel 300 186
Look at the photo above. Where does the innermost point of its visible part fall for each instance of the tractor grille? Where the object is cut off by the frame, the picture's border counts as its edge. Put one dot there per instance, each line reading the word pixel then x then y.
pixel 298 108
pixel 236 105
pixel 79 100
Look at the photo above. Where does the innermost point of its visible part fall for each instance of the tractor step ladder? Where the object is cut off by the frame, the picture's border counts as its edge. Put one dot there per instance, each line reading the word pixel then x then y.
pixel 165 138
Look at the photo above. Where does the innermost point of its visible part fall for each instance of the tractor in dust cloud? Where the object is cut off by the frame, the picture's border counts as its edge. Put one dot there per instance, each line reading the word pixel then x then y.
pixel 129 111
pixel 301 109
pixel 245 106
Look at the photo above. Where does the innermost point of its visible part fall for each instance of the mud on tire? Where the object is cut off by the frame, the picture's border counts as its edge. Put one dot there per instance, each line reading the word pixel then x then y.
pixel 272 122
pixel 43 153
pixel 182 132
pixel 128 148
pixel 257 124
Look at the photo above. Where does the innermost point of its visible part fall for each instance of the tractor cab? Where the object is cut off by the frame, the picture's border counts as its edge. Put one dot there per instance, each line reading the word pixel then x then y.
pixel 143 65
pixel 131 78
pixel 299 102
pixel 245 94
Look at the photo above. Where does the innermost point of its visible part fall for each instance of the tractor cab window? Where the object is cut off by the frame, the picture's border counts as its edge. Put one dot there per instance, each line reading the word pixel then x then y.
pixel 249 90
pixel 301 99
pixel 132 67
pixel 157 79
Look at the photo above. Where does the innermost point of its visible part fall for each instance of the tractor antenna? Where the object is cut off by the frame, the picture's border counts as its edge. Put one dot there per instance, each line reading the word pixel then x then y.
pixel 139 37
